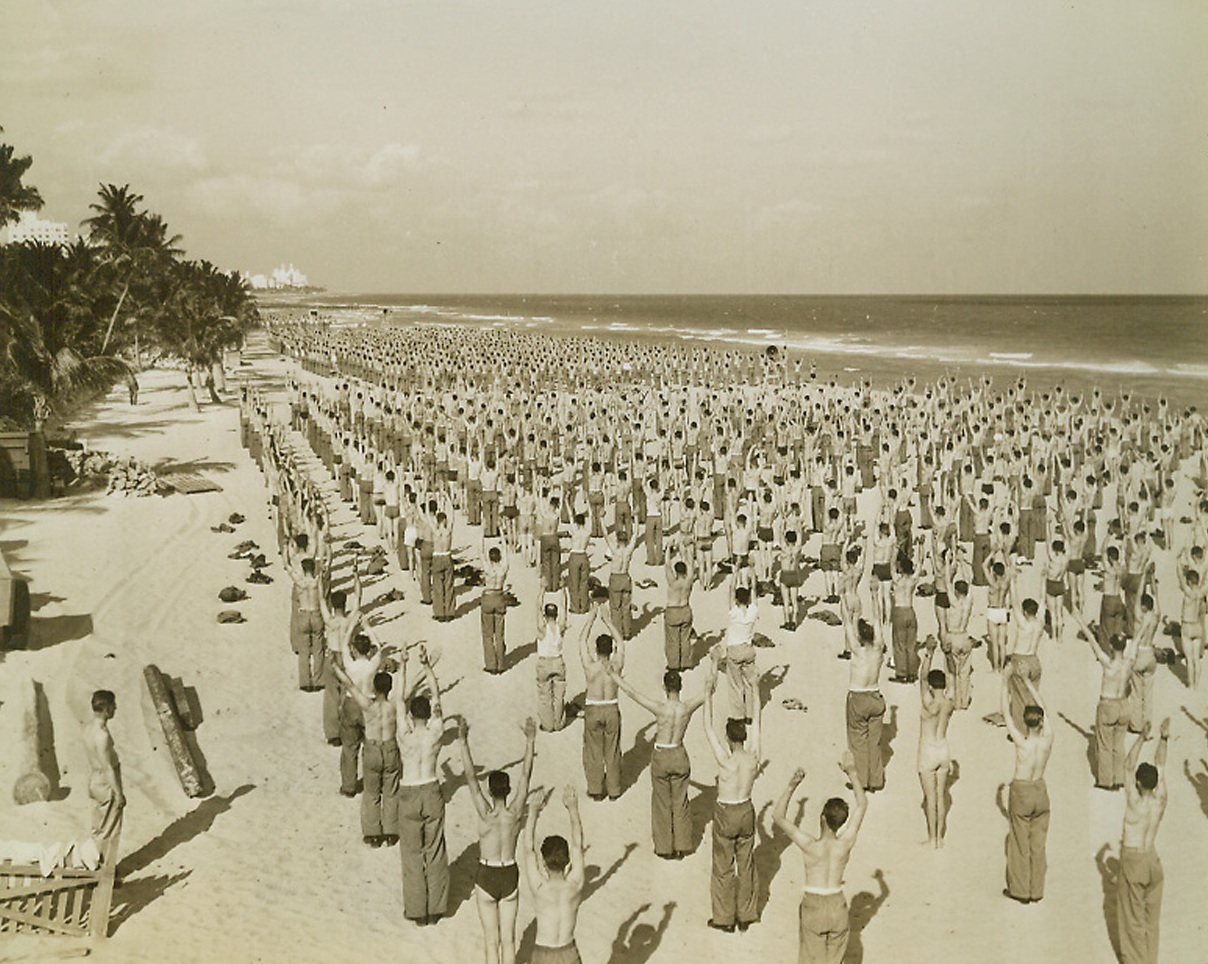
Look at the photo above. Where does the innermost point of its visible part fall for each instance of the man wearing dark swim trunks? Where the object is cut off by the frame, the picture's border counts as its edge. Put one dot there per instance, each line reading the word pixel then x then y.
pixel 499 824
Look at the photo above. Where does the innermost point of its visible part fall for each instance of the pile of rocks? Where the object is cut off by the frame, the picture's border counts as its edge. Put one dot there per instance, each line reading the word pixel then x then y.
pixel 130 477
pixel 119 476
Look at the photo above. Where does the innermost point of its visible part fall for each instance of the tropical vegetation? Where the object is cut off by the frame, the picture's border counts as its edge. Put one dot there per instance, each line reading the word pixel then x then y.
pixel 77 319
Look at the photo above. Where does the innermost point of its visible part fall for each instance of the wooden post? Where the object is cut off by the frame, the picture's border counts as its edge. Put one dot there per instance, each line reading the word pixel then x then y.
pixel 32 784
pixel 182 758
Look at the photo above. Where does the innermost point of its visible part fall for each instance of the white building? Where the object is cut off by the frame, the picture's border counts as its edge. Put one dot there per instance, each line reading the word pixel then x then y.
pixel 285 276
pixel 30 227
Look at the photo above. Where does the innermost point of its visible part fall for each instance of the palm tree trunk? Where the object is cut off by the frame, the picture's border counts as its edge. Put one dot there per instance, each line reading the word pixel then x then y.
pixel 192 392
pixel 210 386
pixel 220 376
pixel 109 330
pixel 39 466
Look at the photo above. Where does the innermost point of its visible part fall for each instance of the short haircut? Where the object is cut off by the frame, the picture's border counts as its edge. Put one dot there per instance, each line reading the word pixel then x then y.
pixel 420 707
pixel 865 631
pixel 680 568
pixel 339 599
pixel 672 681
pixel 499 784
pixel 360 643
pixel 1033 716
pixel 302 540
pixel 604 644
pixel 555 851
pixel 834 813
pixel 550 610
pixel 382 683
pixel 103 700
pixel 1147 776
pixel 736 731
pixel 936 679
pixel 961 587
pixel 495 555
pixel 1117 642
pixel 742 596
pixel 308 566
pixel 1146 601
pixel 1030 606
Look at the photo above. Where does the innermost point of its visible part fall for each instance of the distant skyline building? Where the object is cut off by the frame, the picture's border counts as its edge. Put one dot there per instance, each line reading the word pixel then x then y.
pixel 30 227
pixel 284 276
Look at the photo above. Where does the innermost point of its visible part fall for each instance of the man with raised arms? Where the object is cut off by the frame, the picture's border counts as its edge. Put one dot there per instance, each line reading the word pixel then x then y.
pixel 340 623
pixel 620 582
pixel 670 816
pixel 1024 658
pixel 555 879
pixel 601 714
pixel 494 607
pixel 677 616
pixel 866 706
pixel 376 719
pixel 421 807
pixel 1139 887
pixel 823 915
pixel 935 759
pixel 499 821
pixel 732 886
pixel 1028 798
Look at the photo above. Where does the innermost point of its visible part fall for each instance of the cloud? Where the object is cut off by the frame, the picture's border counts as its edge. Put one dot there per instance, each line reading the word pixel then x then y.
pixel 157 148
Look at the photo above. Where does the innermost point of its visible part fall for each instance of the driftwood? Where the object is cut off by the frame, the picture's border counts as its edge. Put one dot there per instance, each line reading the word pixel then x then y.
pixel 182 757
pixel 32 784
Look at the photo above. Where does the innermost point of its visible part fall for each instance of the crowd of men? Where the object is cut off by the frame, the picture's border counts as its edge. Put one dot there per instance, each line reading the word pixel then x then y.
pixel 725 473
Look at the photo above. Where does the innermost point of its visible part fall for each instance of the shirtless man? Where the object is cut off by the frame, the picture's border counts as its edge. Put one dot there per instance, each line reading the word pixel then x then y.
pixel 905 623
pixel 369 690
pixel 1024 657
pixel 1139 886
pixel 306 619
pixel 1028 799
pixel 555 881
pixel 958 644
pixel 1140 691
pixel 792 578
pixel 823 915
pixel 884 547
pixel 340 624
pixel 732 886
pixel 105 776
pixel 830 555
pixel 494 608
pixel 670 816
pixel 850 608
pixel 620 582
pixel 1055 569
pixel 499 821
pixel 998 611
pixel 421 807
pixel 1111 715
pixel 935 759
pixel 578 567
pixel 442 567
pixel 547 537
pixel 601 714
pixel 677 616
pixel 866 705
pixel 1195 602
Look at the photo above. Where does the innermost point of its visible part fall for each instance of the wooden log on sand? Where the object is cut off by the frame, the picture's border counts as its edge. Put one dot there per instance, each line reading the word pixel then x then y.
pixel 182 758
pixel 32 785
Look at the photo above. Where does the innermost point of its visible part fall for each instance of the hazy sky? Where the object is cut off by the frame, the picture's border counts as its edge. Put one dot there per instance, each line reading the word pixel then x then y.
pixel 813 146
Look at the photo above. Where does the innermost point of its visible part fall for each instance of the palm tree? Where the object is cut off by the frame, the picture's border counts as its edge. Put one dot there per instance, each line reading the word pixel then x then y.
pixel 207 312
pixel 15 197
pixel 40 319
pixel 136 247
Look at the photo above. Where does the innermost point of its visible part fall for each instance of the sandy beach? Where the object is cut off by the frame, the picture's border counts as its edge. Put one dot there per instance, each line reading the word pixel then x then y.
pixel 270 865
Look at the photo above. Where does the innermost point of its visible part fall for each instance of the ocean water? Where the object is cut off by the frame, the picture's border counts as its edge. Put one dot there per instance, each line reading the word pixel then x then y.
pixel 1151 345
